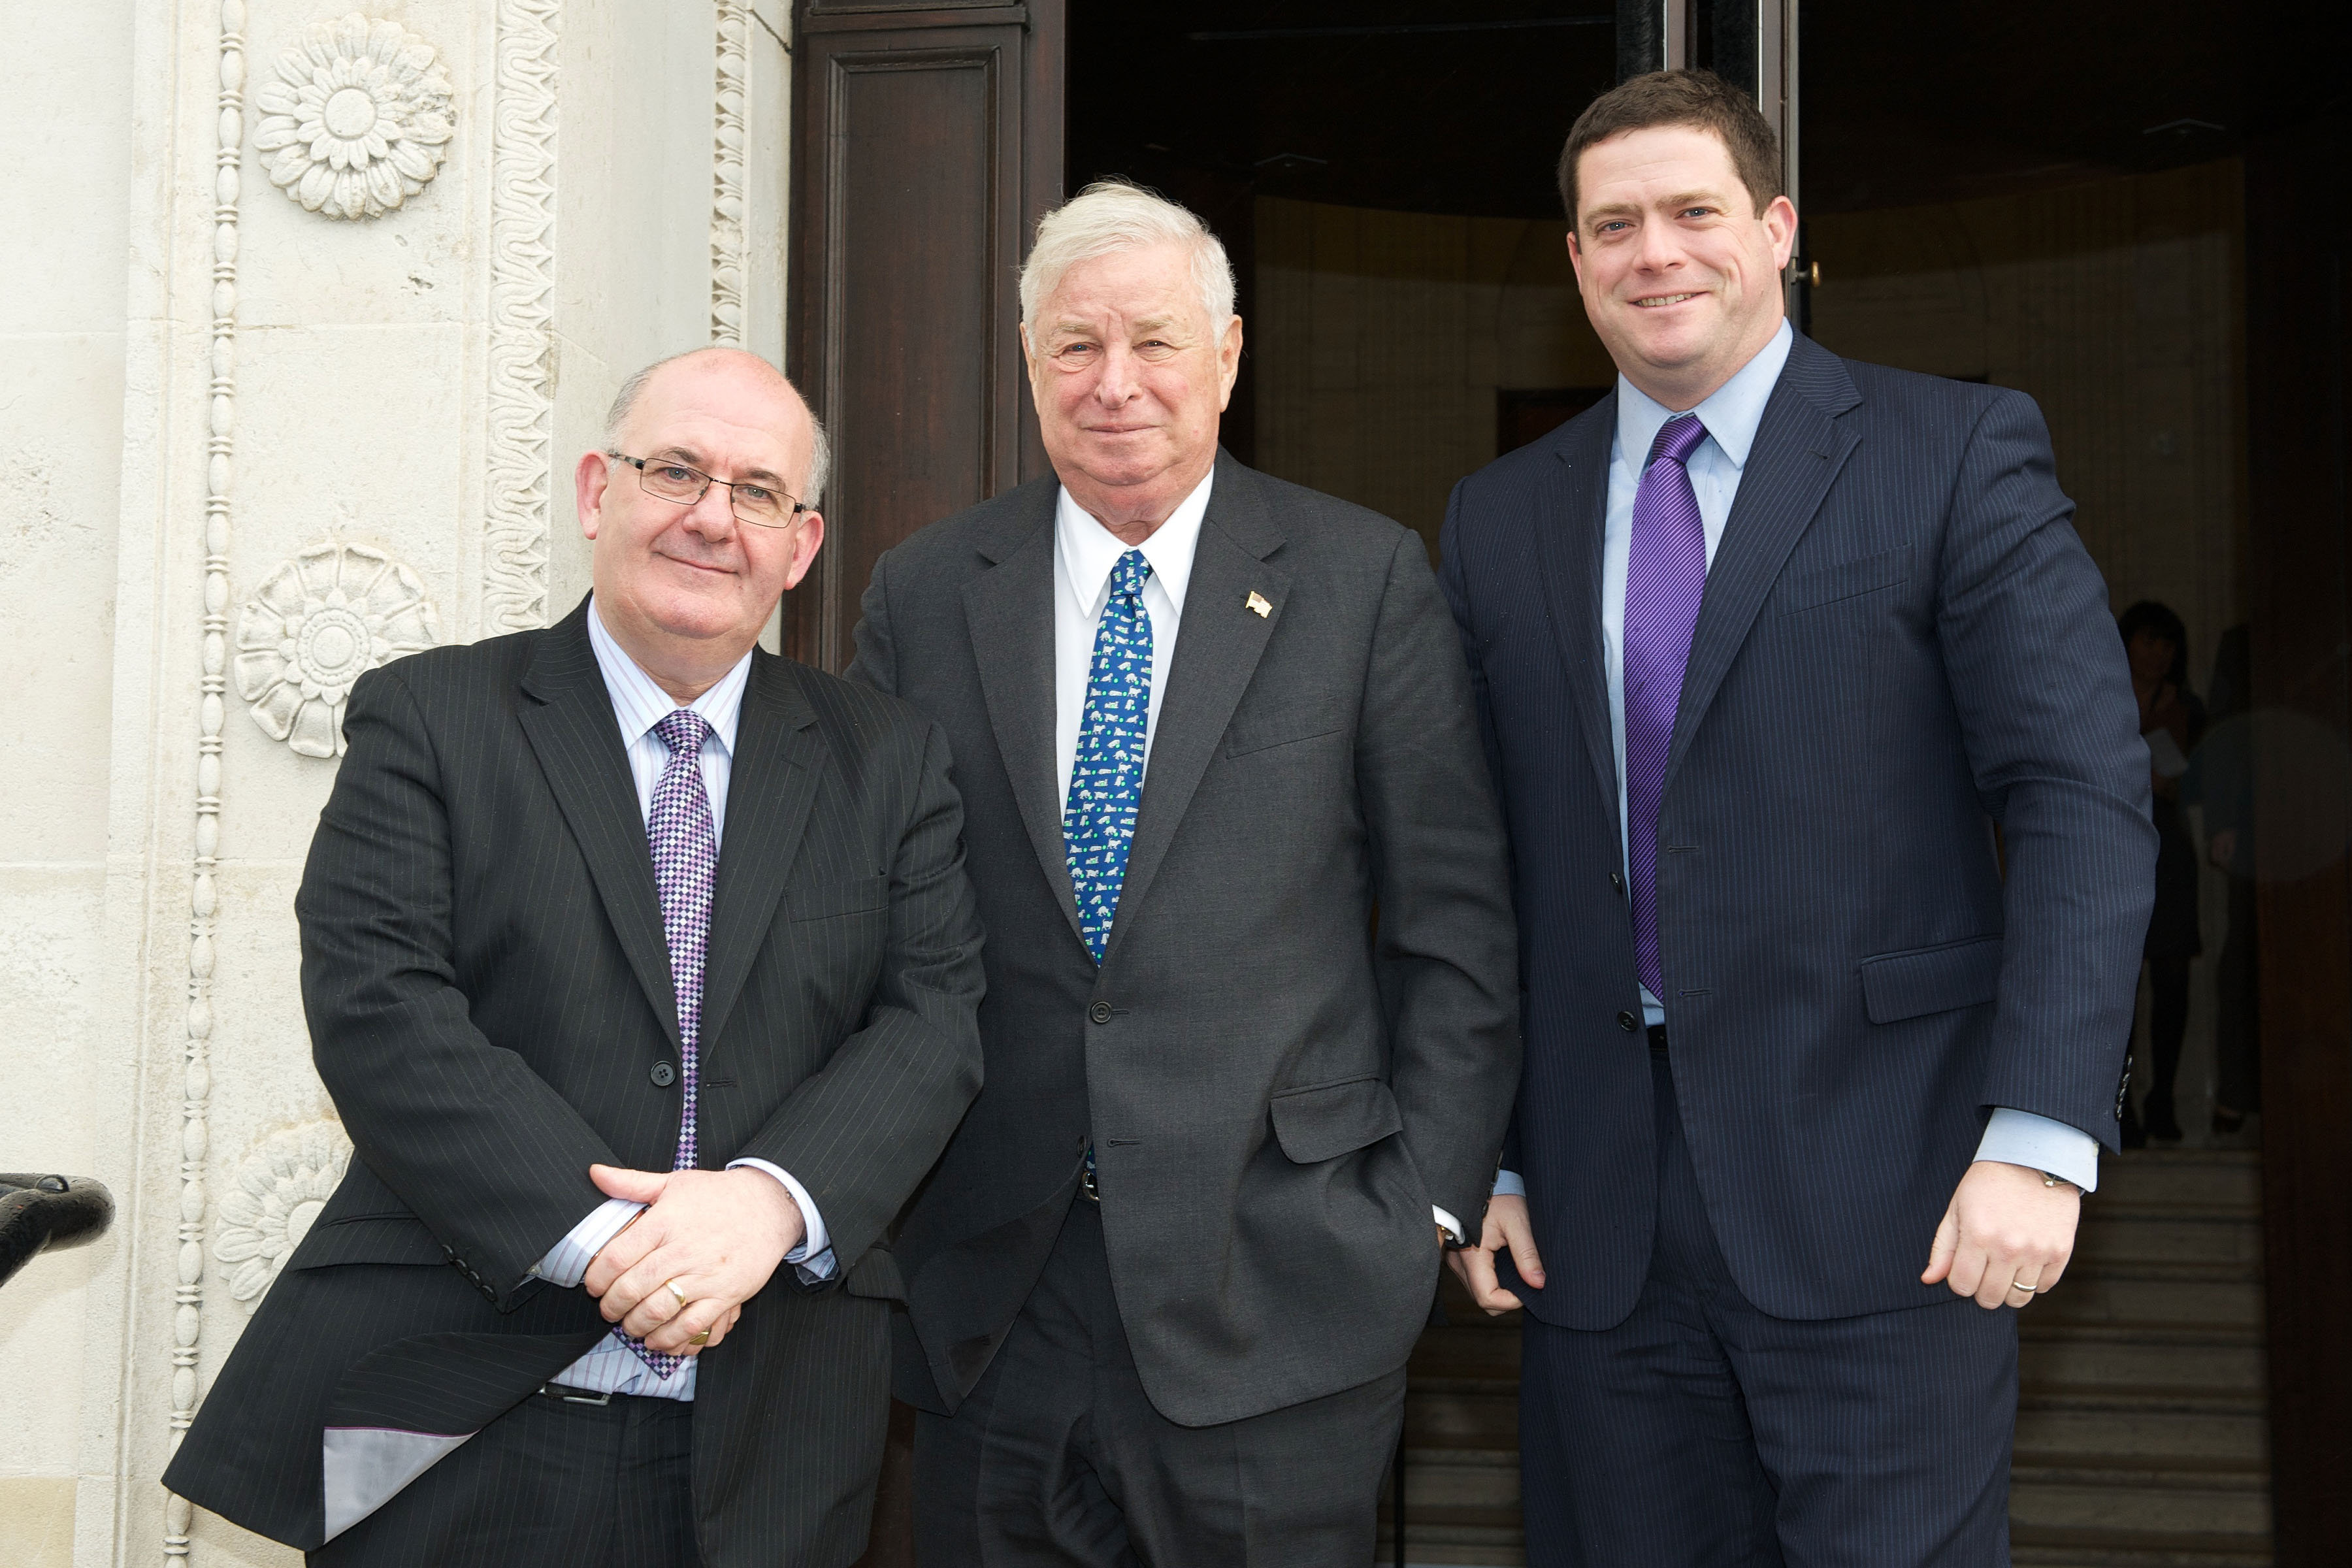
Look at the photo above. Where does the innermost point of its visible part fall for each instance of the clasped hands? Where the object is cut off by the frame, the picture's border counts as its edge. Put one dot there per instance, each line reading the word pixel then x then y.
pixel 2004 1240
pixel 715 1235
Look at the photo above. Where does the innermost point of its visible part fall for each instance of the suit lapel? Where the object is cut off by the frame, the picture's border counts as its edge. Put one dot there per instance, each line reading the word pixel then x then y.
pixel 771 790
pixel 1800 448
pixel 567 716
pixel 1217 651
pixel 1009 612
pixel 1570 530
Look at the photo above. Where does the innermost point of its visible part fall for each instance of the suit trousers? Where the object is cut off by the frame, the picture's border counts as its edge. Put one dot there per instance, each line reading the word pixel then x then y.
pixel 1057 1458
pixel 1703 1433
pixel 553 1483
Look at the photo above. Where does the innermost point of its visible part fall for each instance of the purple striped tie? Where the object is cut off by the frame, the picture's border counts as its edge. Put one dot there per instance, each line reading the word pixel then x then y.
pixel 685 844
pixel 1665 573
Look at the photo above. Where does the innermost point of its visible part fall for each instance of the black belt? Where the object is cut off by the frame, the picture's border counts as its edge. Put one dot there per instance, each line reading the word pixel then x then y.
pixel 1658 1040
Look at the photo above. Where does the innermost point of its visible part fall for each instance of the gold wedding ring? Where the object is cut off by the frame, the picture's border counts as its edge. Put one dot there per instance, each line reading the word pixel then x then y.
pixel 671 1286
pixel 701 1339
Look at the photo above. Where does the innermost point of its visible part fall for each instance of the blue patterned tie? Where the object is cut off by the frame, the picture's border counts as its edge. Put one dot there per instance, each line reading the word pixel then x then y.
pixel 1106 783
pixel 685 844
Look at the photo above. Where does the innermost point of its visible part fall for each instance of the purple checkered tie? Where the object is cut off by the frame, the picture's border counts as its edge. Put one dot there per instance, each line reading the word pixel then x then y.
pixel 685 844
pixel 1665 573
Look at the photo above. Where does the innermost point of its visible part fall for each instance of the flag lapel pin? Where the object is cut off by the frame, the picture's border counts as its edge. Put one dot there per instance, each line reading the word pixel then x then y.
pixel 1257 606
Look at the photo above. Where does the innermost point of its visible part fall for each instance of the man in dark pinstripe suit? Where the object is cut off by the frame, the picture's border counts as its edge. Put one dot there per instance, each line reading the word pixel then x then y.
pixel 628 1112
pixel 1766 646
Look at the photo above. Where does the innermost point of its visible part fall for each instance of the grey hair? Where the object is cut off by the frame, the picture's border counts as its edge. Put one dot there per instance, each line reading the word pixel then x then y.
pixel 1112 216
pixel 624 402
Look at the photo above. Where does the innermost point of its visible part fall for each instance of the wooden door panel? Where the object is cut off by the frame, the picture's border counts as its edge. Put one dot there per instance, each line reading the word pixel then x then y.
pixel 927 138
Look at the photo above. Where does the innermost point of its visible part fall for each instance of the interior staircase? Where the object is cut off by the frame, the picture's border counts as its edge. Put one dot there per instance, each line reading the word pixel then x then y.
pixel 2142 1428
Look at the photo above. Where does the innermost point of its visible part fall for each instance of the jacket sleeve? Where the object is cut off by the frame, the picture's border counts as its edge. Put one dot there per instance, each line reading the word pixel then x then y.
pixel 478 1146
pixel 860 1133
pixel 1448 947
pixel 875 663
pixel 1453 579
pixel 2039 681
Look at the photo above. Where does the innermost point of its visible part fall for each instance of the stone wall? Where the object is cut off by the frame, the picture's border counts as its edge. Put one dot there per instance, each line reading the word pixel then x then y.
pixel 272 418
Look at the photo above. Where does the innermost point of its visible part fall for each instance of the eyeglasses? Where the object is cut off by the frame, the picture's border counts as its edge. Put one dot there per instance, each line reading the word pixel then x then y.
pixel 763 506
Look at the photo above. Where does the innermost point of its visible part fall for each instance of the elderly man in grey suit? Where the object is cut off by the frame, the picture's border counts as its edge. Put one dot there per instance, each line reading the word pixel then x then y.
pixel 1252 1011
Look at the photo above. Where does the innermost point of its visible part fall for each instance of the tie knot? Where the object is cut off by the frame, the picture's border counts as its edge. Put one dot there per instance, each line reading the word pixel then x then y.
pixel 1128 576
pixel 1677 439
pixel 683 732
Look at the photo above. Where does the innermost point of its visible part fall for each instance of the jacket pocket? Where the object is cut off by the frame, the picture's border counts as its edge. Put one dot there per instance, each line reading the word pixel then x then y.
pixel 1326 1121
pixel 1898 986
pixel 1846 580
pixel 1281 726
pixel 831 899
pixel 367 1238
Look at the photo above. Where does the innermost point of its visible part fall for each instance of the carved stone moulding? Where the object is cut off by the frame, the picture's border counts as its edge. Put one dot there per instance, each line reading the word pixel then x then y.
pixel 358 119
pixel 318 623
pixel 280 1186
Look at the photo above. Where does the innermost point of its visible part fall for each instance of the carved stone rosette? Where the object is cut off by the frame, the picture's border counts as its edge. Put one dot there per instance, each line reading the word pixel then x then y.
pixel 279 1189
pixel 318 623
pixel 358 119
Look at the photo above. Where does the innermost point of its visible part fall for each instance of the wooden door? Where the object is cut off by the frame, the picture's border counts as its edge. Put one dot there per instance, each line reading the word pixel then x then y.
pixel 926 141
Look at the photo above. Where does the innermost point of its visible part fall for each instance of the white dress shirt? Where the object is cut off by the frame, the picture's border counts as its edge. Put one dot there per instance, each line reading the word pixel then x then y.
pixel 1731 416
pixel 639 704
pixel 1085 553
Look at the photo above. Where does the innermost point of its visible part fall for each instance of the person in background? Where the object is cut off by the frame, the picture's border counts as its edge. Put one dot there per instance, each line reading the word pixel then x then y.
pixel 2221 780
pixel 2171 720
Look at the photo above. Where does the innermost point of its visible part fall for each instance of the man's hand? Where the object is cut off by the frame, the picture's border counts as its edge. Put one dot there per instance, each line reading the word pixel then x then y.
pixel 1506 1230
pixel 2006 1236
pixel 719 1235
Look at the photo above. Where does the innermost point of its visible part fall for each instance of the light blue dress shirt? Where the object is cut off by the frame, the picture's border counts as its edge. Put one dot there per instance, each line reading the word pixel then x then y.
pixel 639 704
pixel 1731 415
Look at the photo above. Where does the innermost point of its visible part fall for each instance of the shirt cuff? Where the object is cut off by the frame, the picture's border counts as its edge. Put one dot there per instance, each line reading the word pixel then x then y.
pixel 1449 1225
pixel 566 1263
pixel 1508 1185
pixel 813 1256
pixel 2038 1143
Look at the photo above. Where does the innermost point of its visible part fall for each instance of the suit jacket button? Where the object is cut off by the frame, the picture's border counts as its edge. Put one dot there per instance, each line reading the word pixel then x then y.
pixel 664 1075
pixel 1627 1022
pixel 1099 1012
pixel 1617 880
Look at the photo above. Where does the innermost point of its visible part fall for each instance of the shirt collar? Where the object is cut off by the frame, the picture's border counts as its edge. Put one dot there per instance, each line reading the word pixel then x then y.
pixel 1731 414
pixel 1089 550
pixel 640 704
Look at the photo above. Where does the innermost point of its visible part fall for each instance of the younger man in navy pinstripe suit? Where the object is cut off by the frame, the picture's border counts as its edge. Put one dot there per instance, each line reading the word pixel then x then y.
pixel 1765 645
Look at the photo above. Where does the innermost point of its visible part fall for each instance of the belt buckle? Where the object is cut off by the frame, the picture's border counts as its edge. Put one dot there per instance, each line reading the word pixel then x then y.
pixel 1086 1188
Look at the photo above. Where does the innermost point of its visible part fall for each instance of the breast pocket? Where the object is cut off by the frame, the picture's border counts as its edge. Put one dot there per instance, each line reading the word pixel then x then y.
pixel 1285 725
pixel 838 900
pixel 1845 580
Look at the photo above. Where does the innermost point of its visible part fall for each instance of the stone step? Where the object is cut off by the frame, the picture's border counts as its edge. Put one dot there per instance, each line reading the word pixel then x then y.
pixel 2182 1233
pixel 2180 1175
pixel 2174 1423
pixel 2120 1493
pixel 2092 1292
pixel 2161 1355
pixel 1452 1476
pixel 2050 1546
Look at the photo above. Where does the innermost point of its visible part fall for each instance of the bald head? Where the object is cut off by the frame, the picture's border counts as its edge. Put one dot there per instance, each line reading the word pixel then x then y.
pixel 735 373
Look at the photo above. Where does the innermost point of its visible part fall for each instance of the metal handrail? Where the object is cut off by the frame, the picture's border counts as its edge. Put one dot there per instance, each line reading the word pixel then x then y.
pixel 49 1213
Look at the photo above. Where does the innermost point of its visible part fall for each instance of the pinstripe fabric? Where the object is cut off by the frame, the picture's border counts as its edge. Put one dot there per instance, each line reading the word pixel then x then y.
pixel 488 991
pixel 1700 1430
pixel 1275 1101
pixel 1902 642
